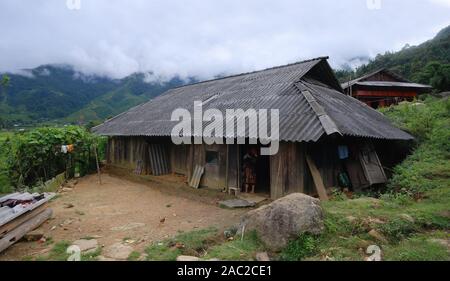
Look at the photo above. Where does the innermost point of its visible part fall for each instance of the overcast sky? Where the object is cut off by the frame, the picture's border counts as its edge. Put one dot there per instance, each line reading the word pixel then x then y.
pixel 204 38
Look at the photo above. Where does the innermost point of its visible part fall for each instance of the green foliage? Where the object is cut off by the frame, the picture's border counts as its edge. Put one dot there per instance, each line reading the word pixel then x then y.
pixel 134 256
pixel 237 249
pixel 436 74
pixel 429 166
pixel 5 183
pixel 397 229
pixel 190 243
pixel 35 157
pixel 417 248
pixel 57 253
pixel 304 246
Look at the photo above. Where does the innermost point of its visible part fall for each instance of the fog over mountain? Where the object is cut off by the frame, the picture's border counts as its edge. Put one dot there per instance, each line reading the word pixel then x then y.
pixel 197 38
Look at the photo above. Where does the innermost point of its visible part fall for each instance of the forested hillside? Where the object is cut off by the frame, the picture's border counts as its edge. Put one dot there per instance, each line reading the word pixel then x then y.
pixel 427 63
pixel 58 93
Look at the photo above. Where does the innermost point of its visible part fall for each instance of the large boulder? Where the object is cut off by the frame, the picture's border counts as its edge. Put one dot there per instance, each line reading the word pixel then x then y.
pixel 284 220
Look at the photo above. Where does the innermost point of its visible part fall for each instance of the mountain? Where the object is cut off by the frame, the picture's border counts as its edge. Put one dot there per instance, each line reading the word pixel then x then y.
pixel 427 63
pixel 58 93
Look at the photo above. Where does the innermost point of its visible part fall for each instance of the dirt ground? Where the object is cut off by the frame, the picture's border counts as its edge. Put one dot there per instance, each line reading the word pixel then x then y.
pixel 122 209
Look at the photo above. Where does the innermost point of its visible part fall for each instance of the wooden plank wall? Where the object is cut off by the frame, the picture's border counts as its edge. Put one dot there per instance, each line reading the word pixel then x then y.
pixel 287 170
pixel 127 152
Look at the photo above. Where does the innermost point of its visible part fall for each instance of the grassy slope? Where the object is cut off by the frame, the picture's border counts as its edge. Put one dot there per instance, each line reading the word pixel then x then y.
pixel 413 219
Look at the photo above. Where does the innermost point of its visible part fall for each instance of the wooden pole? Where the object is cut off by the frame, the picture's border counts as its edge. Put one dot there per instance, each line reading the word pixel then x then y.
pixel 318 182
pixel 98 165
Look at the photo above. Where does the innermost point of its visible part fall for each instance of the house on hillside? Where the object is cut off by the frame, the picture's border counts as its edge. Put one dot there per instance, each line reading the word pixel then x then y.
pixel 327 139
pixel 383 88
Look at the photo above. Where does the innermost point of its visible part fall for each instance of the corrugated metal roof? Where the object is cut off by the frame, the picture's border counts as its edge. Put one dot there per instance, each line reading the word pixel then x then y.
pixel 275 88
pixel 392 84
pixel 401 81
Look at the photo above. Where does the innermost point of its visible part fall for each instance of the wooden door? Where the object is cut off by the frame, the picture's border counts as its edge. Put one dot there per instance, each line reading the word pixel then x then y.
pixel 215 166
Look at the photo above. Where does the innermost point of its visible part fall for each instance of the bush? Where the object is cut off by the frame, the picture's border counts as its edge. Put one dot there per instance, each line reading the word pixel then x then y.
pixel 34 157
pixel 304 246
pixel 398 229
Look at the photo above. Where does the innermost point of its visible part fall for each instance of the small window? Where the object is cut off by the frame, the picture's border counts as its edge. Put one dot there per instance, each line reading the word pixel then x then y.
pixel 212 157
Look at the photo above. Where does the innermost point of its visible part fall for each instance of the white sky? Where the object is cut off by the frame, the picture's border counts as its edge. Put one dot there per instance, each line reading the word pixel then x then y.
pixel 204 38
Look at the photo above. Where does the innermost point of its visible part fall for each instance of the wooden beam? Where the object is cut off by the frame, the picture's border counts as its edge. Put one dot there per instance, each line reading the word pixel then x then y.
pixel 6 228
pixel 318 182
pixel 15 235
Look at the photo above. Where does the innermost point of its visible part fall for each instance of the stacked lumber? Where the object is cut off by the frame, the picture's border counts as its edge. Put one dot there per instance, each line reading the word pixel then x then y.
pixel 21 213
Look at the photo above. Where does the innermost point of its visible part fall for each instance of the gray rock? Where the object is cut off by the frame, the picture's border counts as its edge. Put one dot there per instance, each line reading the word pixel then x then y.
pixel 187 258
pixel 236 203
pixel 34 235
pixel 284 220
pixel 262 256
pixel 86 245
pixel 118 251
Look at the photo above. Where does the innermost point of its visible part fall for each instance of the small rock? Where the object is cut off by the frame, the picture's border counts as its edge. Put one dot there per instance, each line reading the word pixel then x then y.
pixel 129 226
pixel 375 234
pixel 407 217
pixel 351 219
pixel 68 205
pixel 213 259
pixel 187 258
pixel 86 245
pixel 103 258
pixel 262 256
pixel 118 251
pixel 35 235
pixel 179 245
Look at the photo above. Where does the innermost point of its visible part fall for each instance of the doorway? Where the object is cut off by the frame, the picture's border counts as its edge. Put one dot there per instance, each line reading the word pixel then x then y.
pixel 254 170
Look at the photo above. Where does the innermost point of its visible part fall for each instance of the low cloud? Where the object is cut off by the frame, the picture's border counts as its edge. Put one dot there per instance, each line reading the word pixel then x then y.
pixel 206 38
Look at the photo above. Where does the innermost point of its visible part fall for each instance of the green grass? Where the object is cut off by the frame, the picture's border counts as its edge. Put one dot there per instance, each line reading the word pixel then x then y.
pixel 417 248
pixel 59 253
pixel 134 256
pixel 189 243
pixel 205 244
pixel 236 249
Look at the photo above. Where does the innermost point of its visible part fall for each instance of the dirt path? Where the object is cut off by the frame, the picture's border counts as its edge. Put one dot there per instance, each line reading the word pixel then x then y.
pixel 120 209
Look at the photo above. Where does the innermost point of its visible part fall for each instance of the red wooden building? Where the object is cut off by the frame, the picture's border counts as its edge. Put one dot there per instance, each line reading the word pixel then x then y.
pixel 383 88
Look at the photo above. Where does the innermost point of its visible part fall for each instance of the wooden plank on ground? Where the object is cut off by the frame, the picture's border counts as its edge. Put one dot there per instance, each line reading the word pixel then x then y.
pixel 15 235
pixel 317 178
pixel 4 229
pixel 197 176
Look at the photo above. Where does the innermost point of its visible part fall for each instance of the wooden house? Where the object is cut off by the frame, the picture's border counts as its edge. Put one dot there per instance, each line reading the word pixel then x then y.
pixel 325 136
pixel 384 88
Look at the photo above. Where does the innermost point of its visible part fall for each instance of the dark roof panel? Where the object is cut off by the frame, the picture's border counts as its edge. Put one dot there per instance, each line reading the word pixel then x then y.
pixel 275 88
